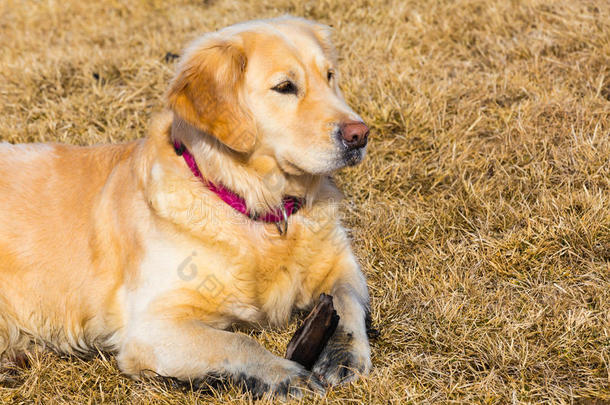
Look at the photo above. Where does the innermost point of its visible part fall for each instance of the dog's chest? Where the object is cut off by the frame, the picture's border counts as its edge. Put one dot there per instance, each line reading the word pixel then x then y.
pixel 257 280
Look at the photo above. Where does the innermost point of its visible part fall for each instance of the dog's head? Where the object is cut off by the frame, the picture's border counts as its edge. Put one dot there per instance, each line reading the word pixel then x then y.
pixel 271 86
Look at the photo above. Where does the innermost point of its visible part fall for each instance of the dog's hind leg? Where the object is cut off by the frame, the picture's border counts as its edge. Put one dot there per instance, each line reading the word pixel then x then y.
pixel 4 336
pixel 6 363
pixel 12 341
pixel 8 332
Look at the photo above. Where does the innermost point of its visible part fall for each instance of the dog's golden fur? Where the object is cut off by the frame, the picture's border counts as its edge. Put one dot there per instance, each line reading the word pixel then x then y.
pixel 121 248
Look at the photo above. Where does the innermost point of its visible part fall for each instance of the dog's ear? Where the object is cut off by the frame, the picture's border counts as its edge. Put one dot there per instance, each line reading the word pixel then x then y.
pixel 206 92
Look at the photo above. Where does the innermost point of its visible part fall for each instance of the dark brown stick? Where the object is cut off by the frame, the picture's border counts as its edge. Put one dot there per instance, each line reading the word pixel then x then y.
pixel 310 338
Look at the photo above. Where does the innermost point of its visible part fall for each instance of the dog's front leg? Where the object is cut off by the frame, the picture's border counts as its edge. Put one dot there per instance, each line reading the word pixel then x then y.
pixel 347 353
pixel 191 350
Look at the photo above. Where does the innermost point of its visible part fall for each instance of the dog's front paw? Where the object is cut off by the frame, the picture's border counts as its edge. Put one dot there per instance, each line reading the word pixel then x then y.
pixel 344 359
pixel 283 378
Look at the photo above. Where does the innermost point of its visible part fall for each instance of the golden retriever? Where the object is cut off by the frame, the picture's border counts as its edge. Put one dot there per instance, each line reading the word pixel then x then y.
pixel 136 249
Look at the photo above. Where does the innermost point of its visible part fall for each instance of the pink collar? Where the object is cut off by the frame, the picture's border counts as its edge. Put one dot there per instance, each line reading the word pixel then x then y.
pixel 279 216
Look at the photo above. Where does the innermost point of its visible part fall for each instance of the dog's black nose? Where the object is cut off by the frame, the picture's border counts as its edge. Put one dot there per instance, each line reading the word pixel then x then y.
pixel 355 134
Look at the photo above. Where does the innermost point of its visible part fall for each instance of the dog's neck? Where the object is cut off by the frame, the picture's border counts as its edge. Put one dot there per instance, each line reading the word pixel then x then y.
pixel 256 177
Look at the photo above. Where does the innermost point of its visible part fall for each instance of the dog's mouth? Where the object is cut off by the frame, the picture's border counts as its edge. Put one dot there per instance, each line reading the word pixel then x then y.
pixel 321 162
pixel 353 156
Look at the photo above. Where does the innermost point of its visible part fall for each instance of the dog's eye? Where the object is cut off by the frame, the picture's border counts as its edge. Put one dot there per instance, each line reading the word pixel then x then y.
pixel 286 87
pixel 330 75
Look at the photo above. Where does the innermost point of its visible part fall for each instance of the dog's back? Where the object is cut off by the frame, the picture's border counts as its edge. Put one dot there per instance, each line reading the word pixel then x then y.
pixel 38 242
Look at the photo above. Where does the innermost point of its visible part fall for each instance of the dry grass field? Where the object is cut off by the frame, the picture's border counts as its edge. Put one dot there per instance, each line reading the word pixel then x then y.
pixel 481 215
